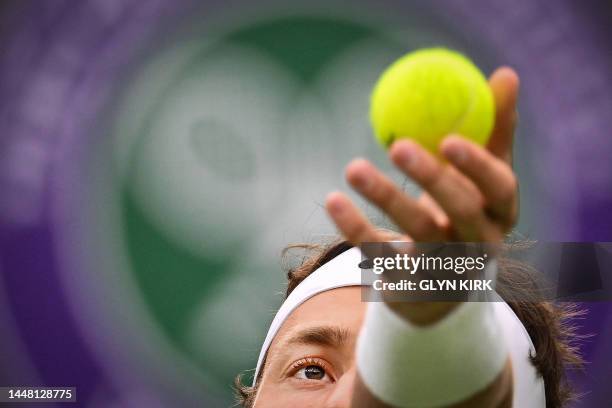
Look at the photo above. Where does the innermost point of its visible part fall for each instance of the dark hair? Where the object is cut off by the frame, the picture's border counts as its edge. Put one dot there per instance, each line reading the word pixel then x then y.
pixel 548 324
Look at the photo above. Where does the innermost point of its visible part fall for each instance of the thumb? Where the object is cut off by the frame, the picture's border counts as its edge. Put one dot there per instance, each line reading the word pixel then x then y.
pixel 504 83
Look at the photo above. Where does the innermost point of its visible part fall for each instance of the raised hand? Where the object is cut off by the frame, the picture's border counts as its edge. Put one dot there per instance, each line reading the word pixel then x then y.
pixel 470 197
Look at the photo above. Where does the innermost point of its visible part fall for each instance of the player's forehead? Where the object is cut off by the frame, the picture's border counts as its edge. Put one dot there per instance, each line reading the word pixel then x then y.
pixel 337 309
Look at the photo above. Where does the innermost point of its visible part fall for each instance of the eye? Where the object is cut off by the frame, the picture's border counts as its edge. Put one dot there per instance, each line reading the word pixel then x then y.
pixel 311 370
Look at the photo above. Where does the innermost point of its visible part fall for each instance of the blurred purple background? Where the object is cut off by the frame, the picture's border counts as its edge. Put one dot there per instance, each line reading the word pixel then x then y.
pixel 75 76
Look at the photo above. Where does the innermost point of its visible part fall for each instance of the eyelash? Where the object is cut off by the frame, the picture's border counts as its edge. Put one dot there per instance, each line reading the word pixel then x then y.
pixel 310 361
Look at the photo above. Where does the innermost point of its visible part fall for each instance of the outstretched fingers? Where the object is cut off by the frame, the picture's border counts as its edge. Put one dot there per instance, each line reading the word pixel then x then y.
pixel 455 193
pixel 409 214
pixel 351 222
pixel 492 175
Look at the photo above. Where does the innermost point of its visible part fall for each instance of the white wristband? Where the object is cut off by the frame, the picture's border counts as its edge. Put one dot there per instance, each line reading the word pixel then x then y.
pixel 410 366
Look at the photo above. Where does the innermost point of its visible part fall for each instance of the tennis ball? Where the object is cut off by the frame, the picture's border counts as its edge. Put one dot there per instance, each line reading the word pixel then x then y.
pixel 428 94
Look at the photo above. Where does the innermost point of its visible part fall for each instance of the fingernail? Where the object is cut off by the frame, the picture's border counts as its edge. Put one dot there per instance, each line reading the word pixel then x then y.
pixel 335 207
pixel 408 156
pixel 362 181
pixel 456 153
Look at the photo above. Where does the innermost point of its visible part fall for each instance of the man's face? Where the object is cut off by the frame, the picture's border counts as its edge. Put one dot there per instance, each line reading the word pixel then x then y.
pixel 311 363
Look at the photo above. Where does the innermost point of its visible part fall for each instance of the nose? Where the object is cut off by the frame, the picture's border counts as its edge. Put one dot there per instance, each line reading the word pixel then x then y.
pixel 343 390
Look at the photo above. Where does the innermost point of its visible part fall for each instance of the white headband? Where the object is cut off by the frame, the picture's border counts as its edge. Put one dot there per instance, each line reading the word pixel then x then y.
pixel 340 272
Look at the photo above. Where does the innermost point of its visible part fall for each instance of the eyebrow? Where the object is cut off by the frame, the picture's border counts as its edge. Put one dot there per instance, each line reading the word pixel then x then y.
pixel 330 336
pixel 325 335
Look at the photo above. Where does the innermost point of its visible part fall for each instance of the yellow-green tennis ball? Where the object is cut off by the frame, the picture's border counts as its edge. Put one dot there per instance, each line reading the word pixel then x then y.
pixel 429 94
